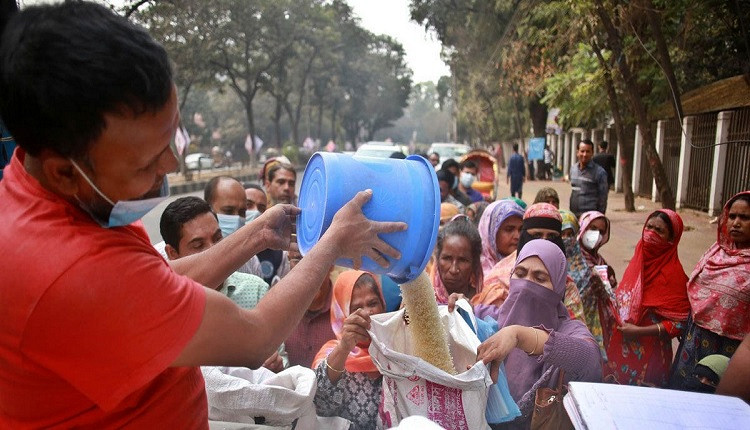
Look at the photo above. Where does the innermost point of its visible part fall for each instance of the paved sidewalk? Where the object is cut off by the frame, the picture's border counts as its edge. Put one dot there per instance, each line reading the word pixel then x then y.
pixel 698 236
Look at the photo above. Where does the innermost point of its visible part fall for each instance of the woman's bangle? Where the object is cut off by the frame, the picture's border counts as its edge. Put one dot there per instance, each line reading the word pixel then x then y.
pixel 658 327
pixel 536 341
pixel 332 369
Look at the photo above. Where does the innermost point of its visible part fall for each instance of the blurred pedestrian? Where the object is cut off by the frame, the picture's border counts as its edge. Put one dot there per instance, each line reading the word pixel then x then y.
pixel 516 173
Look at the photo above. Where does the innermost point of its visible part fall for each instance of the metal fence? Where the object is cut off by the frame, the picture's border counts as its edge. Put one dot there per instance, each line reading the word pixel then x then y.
pixel 597 135
pixel 737 170
pixel 701 162
pixel 670 156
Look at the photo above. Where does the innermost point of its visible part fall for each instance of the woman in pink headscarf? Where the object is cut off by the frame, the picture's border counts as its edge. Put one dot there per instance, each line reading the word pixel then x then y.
pixel 719 293
pixel 653 306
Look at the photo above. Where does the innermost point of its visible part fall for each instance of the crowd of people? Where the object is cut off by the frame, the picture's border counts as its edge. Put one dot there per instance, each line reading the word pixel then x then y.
pixel 102 329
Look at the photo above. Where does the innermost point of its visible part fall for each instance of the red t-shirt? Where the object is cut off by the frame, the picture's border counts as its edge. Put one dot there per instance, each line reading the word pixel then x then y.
pixel 92 318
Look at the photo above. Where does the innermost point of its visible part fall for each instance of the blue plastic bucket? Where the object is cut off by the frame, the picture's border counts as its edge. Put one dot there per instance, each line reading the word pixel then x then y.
pixel 402 190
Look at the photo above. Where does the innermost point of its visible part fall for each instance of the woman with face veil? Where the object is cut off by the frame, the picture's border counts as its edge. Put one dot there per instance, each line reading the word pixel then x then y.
pixel 538 339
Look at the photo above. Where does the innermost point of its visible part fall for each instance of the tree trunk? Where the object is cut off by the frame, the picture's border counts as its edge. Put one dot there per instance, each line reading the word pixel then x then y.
pixel 334 113
pixel 301 92
pixel 639 109
pixel 522 145
pixel 319 130
pixel 538 114
pixel 184 94
pixel 277 124
pixel 294 122
pixel 251 131
pixel 626 146
pixel 664 59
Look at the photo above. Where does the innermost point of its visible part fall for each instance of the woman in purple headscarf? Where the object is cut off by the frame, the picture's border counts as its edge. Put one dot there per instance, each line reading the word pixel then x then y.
pixel 500 229
pixel 537 338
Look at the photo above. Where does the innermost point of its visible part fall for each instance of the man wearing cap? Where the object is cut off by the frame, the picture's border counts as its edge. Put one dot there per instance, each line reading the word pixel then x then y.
pixel 106 334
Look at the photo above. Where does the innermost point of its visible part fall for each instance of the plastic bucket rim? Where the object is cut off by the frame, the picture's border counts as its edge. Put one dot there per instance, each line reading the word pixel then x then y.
pixel 319 231
pixel 435 218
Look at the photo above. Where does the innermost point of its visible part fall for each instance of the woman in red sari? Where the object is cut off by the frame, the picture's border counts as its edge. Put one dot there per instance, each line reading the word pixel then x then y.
pixel 653 306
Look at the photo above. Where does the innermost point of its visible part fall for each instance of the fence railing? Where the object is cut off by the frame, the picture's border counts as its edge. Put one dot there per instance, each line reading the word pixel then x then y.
pixel 706 158
pixel 738 154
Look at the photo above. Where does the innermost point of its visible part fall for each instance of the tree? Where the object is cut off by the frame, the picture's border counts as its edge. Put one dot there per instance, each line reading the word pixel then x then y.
pixel 178 26
pixel 615 43
pixel 376 84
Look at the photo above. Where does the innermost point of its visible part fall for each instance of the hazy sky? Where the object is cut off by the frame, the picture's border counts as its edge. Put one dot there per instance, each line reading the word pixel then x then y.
pixel 391 17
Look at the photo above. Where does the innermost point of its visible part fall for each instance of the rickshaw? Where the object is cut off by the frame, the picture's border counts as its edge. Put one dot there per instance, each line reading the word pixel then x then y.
pixel 486 172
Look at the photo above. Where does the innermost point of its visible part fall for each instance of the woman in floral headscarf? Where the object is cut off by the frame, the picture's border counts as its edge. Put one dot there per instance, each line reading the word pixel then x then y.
pixel 585 277
pixel 653 306
pixel 719 293
pixel 349 384
pixel 500 229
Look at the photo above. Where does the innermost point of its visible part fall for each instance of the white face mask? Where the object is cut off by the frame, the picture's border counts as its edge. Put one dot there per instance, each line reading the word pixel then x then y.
pixel 467 179
pixel 590 239
pixel 123 212
pixel 229 223
pixel 251 214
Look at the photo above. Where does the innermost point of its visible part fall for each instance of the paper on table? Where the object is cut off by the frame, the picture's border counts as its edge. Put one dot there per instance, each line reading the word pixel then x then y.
pixel 622 407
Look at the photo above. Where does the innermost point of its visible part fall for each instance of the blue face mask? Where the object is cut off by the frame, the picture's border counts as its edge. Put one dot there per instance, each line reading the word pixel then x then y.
pixel 251 215
pixel 124 212
pixel 229 223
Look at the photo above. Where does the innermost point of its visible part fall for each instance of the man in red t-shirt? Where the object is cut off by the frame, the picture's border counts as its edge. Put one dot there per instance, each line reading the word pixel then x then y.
pixel 98 330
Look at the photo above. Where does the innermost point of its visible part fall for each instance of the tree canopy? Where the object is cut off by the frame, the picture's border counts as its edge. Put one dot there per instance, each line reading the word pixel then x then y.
pixel 299 63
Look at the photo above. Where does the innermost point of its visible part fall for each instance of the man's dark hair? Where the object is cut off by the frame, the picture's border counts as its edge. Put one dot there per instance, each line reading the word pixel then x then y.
pixel 587 142
pixel 176 214
pixel 447 164
pixel 434 153
pixel 468 164
pixel 63 67
pixel 397 155
pixel 8 8
pixel 603 144
pixel 446 176
pixel 515 147
pixel 276 167
pixel 210 191
pixel 253 185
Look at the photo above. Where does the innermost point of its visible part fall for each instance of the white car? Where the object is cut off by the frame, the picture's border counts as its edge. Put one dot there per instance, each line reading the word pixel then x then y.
pixel 199 161
pixel 449 150
pixel 380 149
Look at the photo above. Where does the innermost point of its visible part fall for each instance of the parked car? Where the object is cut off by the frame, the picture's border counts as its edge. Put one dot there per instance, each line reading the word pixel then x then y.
pixel 380 149
pixel 449 150
pixel 199 161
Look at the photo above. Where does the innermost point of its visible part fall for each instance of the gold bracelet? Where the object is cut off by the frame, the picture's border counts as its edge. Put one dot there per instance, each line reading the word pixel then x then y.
pixel 536 340
pixel 658 327
pixel 329 366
